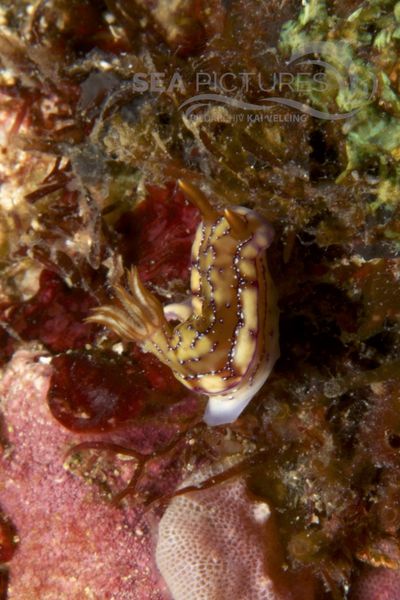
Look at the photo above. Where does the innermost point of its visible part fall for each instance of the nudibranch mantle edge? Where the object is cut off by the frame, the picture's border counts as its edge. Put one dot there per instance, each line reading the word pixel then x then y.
pixel 225 343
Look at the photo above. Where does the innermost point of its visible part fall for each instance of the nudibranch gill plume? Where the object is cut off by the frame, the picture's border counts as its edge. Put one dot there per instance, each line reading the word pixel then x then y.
pixel 226 341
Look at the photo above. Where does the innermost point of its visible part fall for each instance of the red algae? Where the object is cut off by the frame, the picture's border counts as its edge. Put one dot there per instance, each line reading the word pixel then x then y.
pixel 110 390
pixel 7 540
pixel 54 316
pixel 158 235
pixel 116 393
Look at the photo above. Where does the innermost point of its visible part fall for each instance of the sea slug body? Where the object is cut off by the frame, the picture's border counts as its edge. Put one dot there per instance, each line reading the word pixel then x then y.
pixel 226 341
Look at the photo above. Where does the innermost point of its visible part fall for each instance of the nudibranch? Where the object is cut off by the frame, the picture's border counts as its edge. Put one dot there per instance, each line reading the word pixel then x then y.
pixel 226 340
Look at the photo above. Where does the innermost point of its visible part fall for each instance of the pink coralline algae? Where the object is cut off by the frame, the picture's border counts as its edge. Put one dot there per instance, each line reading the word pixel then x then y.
pixel 70 544
pixel 377 584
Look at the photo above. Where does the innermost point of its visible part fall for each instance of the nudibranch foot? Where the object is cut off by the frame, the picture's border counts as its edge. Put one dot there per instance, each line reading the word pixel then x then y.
pixel 226 340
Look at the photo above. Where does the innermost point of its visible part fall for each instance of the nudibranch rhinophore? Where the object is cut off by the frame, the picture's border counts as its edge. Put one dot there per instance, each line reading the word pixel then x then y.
pixel 226 341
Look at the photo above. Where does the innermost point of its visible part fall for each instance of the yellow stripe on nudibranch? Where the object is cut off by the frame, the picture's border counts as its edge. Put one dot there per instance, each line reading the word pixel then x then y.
pixel 226 342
